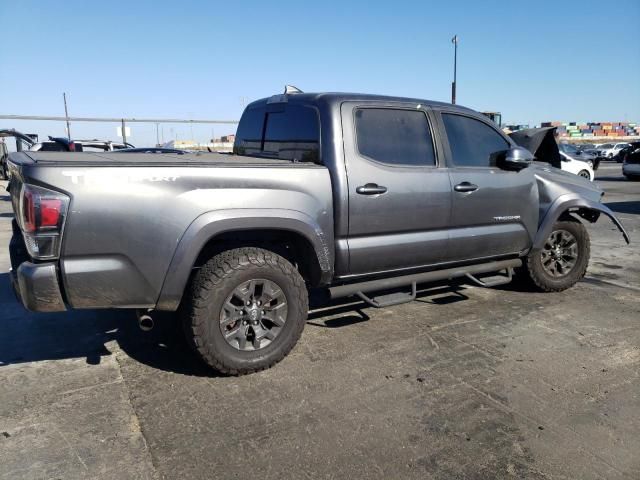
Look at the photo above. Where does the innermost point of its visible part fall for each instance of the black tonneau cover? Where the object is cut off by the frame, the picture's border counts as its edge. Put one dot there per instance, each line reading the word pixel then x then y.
pixel 112 159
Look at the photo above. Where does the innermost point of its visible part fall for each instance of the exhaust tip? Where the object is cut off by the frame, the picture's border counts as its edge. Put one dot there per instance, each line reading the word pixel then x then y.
pixel 145 321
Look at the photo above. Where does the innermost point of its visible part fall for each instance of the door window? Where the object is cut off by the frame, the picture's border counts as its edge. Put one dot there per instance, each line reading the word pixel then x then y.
pixel 473 143
pixel 394 136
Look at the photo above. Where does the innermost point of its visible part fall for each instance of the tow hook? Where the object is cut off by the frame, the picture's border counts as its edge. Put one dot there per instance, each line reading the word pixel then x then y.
pixel 145 320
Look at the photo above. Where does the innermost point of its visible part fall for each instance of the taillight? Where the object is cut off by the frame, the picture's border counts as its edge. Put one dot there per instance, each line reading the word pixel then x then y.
pixel 28 211
pixel 42 215
pixel 50 212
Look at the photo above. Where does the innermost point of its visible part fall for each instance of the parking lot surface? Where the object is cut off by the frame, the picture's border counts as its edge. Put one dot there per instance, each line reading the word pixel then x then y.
pixel 464 382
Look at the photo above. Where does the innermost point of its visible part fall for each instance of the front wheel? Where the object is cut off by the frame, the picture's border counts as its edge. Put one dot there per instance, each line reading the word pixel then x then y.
pixel 584 174
pixel 563 259
pixel 245 310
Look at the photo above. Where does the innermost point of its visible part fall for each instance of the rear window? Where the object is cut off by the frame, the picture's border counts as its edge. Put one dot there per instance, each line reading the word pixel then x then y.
pixel 290 132
pixel 394 136
pixel 249 134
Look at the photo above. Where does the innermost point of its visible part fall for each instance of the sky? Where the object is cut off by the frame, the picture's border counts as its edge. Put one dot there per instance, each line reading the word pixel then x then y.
pixel 532 61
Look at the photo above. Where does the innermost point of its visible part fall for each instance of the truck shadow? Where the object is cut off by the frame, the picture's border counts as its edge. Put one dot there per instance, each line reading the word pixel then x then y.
pixel 93 334
pixel 632 207
pixel 32 337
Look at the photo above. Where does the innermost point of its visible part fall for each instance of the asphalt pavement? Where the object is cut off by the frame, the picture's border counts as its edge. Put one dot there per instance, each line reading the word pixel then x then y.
pixel 464 382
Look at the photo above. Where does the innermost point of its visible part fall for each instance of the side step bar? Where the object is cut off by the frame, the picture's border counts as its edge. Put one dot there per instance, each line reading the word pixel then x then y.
pixel 361 288
pixel 390 299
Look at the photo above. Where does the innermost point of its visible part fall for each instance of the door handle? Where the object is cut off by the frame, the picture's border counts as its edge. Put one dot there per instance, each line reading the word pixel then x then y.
pixel 371 189
pixel 465 187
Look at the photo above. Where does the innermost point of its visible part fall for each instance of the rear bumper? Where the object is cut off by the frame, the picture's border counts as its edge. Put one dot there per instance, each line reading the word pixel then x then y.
pixel 37 288
pixel 631 168
pixel 35 285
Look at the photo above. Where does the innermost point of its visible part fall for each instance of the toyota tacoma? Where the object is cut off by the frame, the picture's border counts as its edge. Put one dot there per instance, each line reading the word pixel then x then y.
pixel 356 195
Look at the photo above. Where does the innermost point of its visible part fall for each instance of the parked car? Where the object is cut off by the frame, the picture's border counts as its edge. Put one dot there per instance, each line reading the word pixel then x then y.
pixel 631 162
pixel 352 194
pixel 591 149
pixel 619 156
pixel 23 141
pixel 542 144
pixel 576 166
pixel 63 144
pixel 613 150
pixel 576 153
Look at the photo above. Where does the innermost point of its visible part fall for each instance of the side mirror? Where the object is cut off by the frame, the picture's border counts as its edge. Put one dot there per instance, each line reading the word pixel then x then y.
pixel 516 158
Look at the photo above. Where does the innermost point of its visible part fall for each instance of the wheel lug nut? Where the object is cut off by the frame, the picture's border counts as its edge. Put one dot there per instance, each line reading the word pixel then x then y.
pixel 248 303
pixel 259 302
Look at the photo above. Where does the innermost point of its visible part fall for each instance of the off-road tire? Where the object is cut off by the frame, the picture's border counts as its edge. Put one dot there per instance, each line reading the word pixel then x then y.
pixel 535 274
pixel 208 291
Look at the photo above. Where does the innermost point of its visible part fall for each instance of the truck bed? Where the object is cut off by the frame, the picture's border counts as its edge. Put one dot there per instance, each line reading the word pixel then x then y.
pixel 132 214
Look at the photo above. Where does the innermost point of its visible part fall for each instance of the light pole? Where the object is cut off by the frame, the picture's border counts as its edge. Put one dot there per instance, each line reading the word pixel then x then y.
pixel 454 40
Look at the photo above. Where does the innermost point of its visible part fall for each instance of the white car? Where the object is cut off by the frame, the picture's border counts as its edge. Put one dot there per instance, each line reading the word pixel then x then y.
pixel 577 167
pixel 613 150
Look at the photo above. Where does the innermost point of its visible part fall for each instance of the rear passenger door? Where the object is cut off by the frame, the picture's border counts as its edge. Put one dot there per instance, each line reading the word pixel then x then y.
pixel 494 211
pixel 399 196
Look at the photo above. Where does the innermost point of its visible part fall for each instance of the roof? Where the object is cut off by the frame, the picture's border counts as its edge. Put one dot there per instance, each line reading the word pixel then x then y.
pixel 340 97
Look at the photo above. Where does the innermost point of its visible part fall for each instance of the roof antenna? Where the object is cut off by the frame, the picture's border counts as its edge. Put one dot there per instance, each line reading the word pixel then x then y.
pixel 291 89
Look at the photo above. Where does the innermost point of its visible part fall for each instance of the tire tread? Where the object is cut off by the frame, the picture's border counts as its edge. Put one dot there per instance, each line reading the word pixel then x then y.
pixel 212 276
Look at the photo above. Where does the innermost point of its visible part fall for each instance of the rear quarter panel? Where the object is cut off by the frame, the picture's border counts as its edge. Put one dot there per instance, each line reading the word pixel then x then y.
pixel 125 223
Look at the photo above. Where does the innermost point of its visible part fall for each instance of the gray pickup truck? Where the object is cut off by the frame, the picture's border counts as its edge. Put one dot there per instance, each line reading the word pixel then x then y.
pixel 354 194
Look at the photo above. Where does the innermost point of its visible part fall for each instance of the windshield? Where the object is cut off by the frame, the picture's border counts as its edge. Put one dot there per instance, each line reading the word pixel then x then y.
pixel 568 148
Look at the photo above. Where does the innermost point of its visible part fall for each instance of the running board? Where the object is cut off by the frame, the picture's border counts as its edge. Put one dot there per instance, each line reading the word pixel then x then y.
pixel 361 288
pixel 391 298
pixel 493 281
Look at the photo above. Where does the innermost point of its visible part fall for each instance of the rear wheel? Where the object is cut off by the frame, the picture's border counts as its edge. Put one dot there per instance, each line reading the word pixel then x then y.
pixel 563 259
pixel 245 310
pixel 584 174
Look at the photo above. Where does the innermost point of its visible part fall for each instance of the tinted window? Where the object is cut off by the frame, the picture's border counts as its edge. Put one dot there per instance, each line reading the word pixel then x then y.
pixel 397 137
pixel 276 131
pixel 567 148
pixel 53 147
pixel 473 143
pixel 293 134
pixel 249 134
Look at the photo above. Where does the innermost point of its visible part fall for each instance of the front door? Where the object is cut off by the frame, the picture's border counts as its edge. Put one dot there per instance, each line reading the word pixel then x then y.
pixel 399 196
pixel 494 211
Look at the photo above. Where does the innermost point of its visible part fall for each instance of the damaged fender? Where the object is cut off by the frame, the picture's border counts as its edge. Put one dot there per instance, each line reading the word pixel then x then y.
pixel 571 203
